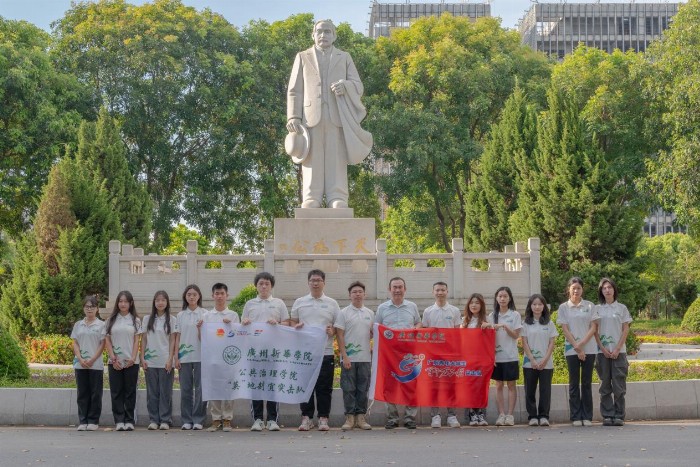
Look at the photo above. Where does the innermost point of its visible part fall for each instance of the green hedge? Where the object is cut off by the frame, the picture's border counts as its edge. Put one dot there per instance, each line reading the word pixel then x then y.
pixel 691 320
pixel 13 365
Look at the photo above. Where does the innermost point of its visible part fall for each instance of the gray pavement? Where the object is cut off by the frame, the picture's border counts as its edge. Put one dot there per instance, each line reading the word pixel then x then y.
pixel 636 444
pixel 666 352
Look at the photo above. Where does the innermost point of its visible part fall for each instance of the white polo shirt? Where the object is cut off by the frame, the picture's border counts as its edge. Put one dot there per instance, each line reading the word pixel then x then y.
pixel 89 337
pixel 157 348
pixel 611 318
pixel 322 312
pixel 190 349
pixel 356 324
pixel 506 346
pixel 578 318
pixel 442 317
pixel 216 316
pixel 123 334
pixel 538 336
pixel 261 310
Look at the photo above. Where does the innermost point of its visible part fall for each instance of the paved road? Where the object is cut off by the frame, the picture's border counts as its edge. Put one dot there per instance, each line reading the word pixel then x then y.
pixel 636 444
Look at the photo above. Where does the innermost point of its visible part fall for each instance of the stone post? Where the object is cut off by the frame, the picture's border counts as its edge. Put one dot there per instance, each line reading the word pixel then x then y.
pixel 192 272
pixel 382 275
pixel 115 247
pixel 269 262
pixel 457 268
pixel 533 245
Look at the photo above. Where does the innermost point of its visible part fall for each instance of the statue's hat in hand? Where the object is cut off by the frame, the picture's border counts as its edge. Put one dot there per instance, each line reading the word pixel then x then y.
pixel 297 145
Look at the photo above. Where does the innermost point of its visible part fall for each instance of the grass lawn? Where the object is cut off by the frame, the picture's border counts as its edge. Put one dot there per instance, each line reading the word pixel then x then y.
pixel 658 326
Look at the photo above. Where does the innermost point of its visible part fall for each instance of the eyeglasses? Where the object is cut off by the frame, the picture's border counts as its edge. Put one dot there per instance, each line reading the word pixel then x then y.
pixel 90 307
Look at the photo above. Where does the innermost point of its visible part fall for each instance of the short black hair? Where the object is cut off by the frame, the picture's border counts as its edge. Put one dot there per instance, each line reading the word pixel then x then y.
pixel 397 278
pixel 356 284
pixel 219 286
pixel 316 272
pixel 440 283
pixel 266 276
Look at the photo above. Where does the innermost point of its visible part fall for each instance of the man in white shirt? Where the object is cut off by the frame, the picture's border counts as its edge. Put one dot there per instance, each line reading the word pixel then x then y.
pixel 398 313
pixel 265 309
pixel 316 309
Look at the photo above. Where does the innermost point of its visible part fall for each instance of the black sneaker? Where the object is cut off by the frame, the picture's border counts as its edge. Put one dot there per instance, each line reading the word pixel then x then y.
pixel 391 424
pixel 607 421
pixel 410 424
pixel 618 422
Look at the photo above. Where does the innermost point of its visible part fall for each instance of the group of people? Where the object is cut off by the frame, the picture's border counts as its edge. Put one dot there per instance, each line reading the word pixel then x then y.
pixel 595 337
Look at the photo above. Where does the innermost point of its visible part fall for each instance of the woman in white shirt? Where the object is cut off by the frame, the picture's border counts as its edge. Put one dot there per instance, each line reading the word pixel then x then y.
pixel 576 320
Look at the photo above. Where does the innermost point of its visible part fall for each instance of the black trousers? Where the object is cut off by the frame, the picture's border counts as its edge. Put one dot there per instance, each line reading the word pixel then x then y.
pixel 257 408
pixel 122 387
pixel 580 392
pixel 323 390
pixel 89 384
pixel 531 379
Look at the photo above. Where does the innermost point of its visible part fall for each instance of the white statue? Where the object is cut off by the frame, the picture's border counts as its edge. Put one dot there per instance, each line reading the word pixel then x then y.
pixel 324 112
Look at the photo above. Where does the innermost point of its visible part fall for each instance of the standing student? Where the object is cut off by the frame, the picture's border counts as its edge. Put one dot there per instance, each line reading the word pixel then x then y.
pixel 265 309
pixel 354 331
pixel 188 359
pixel 475 318
pixel 221 411
pixel 442 315
pixel 576 320
pixel 88 344
pixel 157 355
pixel 613 319
pixel 507 323
pixel 317 309
pixel 399 313
pixel 122 331
pixel 538 335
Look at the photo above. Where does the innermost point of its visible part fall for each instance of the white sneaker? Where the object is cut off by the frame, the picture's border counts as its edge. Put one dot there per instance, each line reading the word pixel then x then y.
pixel 509 421
pixel 587 423
pixel 92 427
pixel 197 426
pixel 257 425
pixel 323 424
pixel 82 427
pixel 306 424
pixel 153 426
pixel 129 426
pixel 577 423
pixel 501 420
pixel 544 422
pixel 120 427
pixel 436 422
pixel 186 426
pixel 164 426
pixel 533 422
pixel 272 426
pixel 452 422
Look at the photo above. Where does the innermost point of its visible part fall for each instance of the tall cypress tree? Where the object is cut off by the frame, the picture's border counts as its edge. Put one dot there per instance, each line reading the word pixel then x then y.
pixel 493 194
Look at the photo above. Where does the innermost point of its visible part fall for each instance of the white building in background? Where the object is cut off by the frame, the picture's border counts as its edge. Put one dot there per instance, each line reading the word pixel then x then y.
pixel 557 28
pixel 384 17
pixel 660 222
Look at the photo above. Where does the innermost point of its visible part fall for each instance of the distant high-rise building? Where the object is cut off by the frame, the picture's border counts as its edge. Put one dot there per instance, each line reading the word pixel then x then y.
pixel 387 16
pixel 557 28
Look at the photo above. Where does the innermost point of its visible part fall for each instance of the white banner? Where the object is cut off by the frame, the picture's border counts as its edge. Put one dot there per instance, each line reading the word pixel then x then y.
pixel 260 361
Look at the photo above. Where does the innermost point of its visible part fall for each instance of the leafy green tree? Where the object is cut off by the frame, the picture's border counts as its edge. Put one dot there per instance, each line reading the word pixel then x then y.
pixel 570 199
pixel 493 195
pixel 100 147
pixel 171 76
pixel 672 89
pixel 449 79
pixel 40 110
pixel 13 365
pixel 407 227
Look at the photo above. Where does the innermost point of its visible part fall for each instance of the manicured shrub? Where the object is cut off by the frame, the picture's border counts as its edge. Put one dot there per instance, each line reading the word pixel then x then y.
pixel 50 348
pixel 247 293
pixel 691 320
pixel 13 365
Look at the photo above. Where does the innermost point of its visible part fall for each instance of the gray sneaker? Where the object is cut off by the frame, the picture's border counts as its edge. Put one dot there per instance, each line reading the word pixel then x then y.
pixel 257 425
pixel 272 426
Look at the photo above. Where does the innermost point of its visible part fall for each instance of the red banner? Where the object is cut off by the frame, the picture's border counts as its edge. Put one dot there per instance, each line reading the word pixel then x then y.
pixel 433 367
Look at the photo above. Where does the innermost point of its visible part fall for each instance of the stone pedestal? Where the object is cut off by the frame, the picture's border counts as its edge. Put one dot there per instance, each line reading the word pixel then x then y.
pixel 324 231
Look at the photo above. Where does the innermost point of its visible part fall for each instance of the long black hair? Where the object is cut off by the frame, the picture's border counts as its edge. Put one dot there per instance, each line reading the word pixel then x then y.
pixel 184 295
pixel 482 312
pixel 154 312
pixel 496 307
pixel 601 297
pixel 530 316
pixel 115 310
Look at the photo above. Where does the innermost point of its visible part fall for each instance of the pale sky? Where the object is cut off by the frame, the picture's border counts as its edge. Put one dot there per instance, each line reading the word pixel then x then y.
pixel 240 12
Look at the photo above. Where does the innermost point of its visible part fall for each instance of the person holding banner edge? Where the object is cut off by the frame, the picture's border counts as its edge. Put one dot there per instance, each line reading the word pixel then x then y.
pixel 354 331
pixel 475 318
pixel 442 315
pixel 398 313
pixel 317 309
pixel 265 309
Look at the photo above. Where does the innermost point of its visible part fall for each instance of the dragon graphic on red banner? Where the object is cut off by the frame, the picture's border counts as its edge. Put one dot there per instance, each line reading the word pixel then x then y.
pixel 432 367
